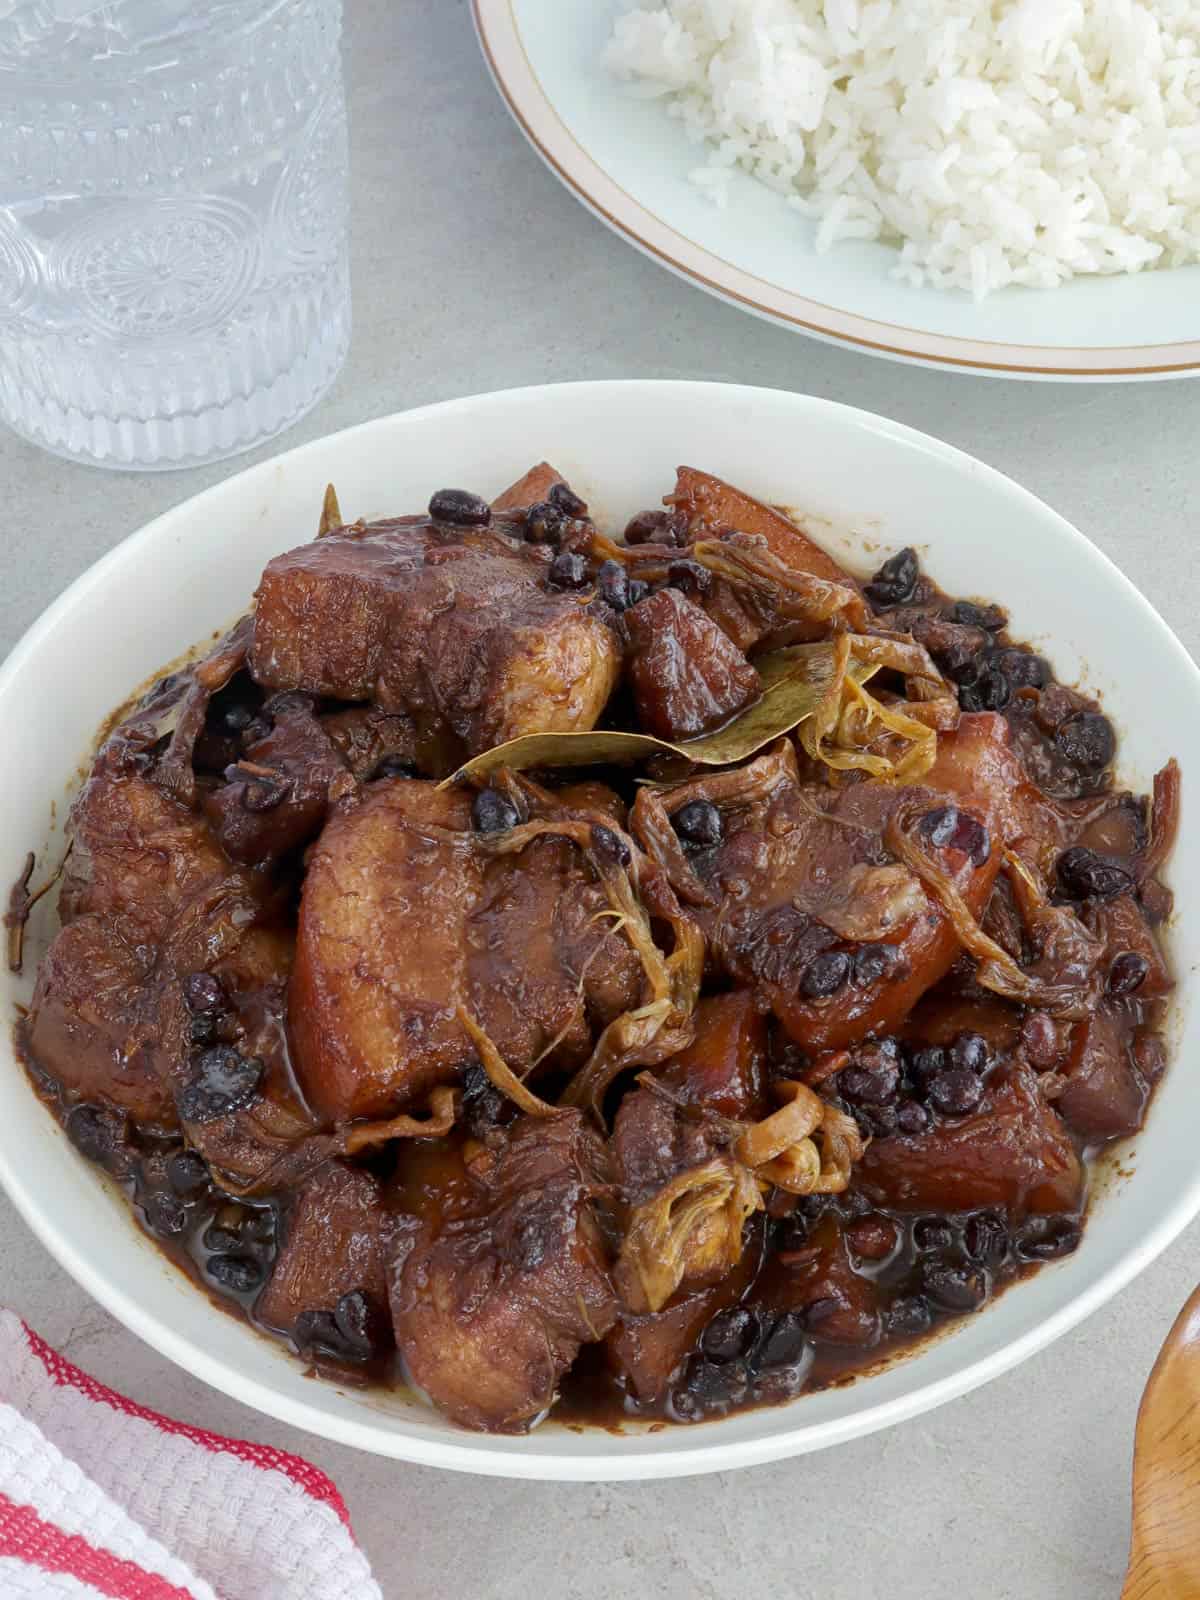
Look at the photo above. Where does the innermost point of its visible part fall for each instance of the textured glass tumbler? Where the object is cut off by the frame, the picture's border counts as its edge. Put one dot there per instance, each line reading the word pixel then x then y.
pixel 174 281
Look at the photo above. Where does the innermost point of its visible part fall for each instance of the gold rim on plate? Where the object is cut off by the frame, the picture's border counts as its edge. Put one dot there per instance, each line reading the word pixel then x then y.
pixel 535 114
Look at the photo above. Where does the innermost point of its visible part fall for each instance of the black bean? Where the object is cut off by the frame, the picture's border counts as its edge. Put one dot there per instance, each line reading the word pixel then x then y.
pixel 972 839
pixel 926 1064
pixel 493 812
pixel 612 585
pixel 567 501
pixel 568 570
pixel 690 577
pixel 638 590
pixel 460 508
pixel 825 974
pixel 256 732
pixel 875 1122
pixel 1048 1238
pixel 940 826
pixel 908 1315
pixel 708 1387
pixel 1086 875
pixel 392 767
pixel 187 1173
pixel 649 527
pixel 956 1092
pixel 482 1103
pixel 966 674
pixel 259 1226
pixel 236 718
pixel 699 824
pixel 95 1132
pixel 1023 669
pixel 166 1213
pixel 989 690
pixel 957 650
pixel 985 1238
pixel 970 1050
pixel 264 794
pixel 850 1204
pixel 204 1029
pixel 872 1238
pixel 933 1236
pixel 948 828
pixel 610 846
pixel 1087 741
pixel 791 1232
pixel 238 1274
pixel 220 1240
pixel 544 523
pixel 955 1288
pixel 895 580
pixel 989 617
pixel 316 1329
pixel 872 962
pixel 783 1341
pixel 1127 973
pixel 873 1085
pixel 730 1335
pixel 358 1321
pixel 912 1119
pixel 203 992
pixel 223 1081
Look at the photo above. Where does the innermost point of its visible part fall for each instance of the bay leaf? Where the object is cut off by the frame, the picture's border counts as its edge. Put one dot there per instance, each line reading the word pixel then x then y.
pixel 794 680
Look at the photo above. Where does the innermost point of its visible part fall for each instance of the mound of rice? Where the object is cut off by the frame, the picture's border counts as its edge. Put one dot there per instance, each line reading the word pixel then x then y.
pixel 995 141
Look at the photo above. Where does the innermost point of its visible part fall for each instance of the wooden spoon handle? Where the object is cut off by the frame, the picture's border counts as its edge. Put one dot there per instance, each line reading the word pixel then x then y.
pixel 1164 1558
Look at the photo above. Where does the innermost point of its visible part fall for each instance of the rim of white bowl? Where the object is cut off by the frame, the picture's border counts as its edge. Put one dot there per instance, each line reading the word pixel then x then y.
pixel 502 1457
pixel 534 112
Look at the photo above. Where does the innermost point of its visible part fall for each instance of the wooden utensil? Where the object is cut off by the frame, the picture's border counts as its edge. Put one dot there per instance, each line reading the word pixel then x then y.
pixel 1164 1558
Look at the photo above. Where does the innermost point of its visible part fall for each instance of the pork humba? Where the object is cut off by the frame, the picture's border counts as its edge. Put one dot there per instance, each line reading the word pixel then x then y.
pixel 590 975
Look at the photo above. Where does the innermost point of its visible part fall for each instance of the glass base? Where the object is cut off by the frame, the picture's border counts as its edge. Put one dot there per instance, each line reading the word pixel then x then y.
pixel 173 443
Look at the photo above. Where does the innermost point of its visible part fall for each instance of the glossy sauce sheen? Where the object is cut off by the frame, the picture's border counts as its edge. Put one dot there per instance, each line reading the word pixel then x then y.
pixel 238 990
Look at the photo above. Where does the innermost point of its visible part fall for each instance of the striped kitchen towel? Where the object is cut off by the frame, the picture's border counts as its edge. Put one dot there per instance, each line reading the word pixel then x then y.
pixel 100 1497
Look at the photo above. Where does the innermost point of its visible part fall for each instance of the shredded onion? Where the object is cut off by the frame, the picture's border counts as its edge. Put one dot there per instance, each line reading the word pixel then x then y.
pixel 997 970
pixel 849 719
pixel 501 1074
pixel 661 1025
pixel 748 564
pixel 788 1126
pixel 443 1110
pixel 692 1228
pixel 650 821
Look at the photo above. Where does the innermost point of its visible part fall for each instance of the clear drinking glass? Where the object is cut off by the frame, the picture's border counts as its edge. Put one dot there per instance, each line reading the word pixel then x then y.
pixel 174 277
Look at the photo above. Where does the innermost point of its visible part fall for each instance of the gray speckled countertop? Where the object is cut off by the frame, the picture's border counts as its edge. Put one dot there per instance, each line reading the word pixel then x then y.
pixel 474 270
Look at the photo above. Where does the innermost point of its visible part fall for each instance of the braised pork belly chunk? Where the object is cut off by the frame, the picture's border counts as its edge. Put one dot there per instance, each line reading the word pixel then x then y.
pixel 596 972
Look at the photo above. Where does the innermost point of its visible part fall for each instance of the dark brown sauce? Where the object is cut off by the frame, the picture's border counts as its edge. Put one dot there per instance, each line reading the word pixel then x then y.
pixel 888 1298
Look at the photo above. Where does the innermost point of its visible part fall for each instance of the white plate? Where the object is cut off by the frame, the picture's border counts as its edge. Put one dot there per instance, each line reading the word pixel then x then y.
pixel 628 162
pixel 883 486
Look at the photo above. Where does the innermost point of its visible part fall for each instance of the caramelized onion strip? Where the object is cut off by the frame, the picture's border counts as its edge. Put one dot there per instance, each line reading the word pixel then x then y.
pixel 443 1110
pixel 996 968
pixel 749 564
pixel 500 1073
pixel 794 1121
pixel 691 1228
pixel 819 1157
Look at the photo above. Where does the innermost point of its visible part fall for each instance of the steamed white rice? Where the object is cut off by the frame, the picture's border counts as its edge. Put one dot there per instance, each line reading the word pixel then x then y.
pixel 995 141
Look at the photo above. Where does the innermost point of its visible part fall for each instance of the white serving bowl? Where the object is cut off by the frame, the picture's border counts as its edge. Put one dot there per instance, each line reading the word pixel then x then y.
pixel 869 486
